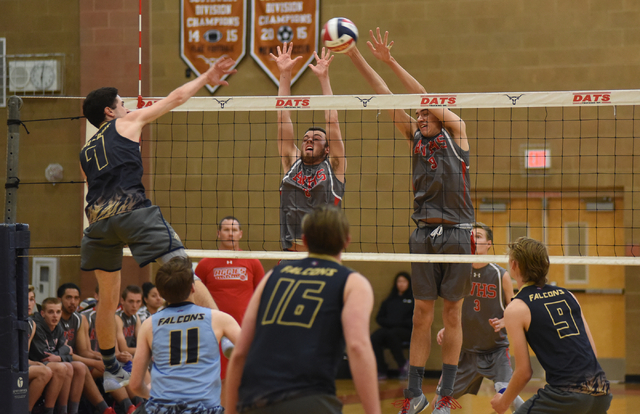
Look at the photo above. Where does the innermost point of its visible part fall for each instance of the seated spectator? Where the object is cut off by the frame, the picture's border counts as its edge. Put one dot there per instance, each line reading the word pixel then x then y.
pixel 39 374
pixel 395 320
pixel 152 302
pixel 127 322
pixel 49 347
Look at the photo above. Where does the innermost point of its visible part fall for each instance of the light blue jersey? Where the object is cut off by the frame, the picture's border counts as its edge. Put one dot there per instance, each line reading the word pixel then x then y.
pixel 186 360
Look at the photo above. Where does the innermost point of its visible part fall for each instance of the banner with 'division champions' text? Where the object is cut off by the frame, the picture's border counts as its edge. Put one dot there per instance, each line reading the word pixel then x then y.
pixel 211 29
pixel 274 22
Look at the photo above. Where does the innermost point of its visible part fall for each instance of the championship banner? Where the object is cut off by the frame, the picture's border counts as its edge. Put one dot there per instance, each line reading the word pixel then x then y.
pixel 211 29
pixel 274 22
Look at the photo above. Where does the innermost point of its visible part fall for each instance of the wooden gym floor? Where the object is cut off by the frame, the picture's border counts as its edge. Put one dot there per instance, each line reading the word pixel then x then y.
pixel 626 397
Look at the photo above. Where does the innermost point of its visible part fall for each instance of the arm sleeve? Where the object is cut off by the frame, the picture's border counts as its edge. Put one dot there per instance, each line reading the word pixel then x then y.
pixel 258 273
pixel 202 270
pixel 36 352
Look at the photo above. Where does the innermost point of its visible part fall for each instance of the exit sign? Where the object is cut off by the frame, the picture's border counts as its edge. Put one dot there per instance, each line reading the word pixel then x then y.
pixel 539 158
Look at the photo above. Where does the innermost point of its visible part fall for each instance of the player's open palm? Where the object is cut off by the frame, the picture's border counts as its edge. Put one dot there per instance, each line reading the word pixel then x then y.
pixel 321 68
pixel 378 45
pixel 220 68
pixel 283 60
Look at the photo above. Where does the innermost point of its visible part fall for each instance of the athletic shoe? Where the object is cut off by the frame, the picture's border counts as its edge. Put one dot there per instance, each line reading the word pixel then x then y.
pixel 109 410
pixel 112 382
pixel 413 405
pixel 131 409
pixel 443 405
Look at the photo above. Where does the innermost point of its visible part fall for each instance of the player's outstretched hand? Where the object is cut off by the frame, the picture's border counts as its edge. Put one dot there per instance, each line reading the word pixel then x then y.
pixel 378 45
pixel 283 60
pixel 497 324
pixel 220 68
pixel 321 68
pixel 440 336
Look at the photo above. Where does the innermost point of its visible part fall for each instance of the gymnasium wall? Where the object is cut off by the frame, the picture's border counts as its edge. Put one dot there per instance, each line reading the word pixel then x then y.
pixel 449 46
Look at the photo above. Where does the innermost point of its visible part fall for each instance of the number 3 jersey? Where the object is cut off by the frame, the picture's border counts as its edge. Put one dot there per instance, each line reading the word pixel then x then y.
pixel 298 342
pixel 113 166
pixel 440 179
pixel 485 301
pixel 559 339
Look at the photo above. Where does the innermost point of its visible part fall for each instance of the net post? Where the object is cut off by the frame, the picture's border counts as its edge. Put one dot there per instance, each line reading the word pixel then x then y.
pixel 14 358
pixel 13 146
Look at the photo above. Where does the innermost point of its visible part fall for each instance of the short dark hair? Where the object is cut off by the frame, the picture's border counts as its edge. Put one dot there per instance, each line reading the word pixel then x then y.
pixel 229 218
pixel 66 286
pixel 50 301
pixel 95 102
pixel 532 258
pixel 326 229
pixel 314 128
pixel 135 289
pixel 487 229
pixel 174 279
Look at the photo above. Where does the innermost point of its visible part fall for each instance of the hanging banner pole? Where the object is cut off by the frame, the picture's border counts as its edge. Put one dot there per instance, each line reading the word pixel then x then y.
pixel 274 22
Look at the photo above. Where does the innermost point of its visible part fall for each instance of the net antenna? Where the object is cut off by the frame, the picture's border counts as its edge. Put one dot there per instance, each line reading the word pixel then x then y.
pixel 140 100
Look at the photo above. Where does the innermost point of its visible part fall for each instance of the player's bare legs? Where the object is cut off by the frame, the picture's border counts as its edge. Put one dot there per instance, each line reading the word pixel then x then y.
pixel 452 341
pixel 58 378
pixel 63 396
pixel 109 284
pixel 77 383
pixel 420 347
pixel 39 377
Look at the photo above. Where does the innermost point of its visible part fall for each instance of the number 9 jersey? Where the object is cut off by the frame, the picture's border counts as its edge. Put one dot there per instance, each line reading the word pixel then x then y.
pixel 559 339
pixel 113 166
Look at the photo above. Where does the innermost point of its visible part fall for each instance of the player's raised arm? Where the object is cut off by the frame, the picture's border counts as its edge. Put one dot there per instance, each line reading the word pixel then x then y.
pixel 405 124
pixel 286 143
pixel 358 303
pixel 334 136
pixel 131 125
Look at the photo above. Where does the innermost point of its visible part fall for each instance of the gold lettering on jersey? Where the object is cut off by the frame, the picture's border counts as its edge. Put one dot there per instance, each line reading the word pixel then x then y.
pixel 181 319
pixel 545 295
pixel 309 271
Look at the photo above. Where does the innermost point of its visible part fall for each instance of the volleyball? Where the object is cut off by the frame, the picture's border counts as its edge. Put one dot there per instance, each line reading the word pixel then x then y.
pixel 339 35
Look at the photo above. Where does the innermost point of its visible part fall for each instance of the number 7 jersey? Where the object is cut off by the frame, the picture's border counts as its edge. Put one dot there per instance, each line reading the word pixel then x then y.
pixel 559 339
pixel 113 166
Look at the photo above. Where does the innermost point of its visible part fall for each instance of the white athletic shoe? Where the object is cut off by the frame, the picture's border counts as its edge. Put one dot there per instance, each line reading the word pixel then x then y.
pixel 413 405
pixel 112 382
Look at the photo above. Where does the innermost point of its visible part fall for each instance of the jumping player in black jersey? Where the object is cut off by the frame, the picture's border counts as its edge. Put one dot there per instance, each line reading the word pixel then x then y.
pixel 294 331
pixel 444 216
pixel 550 320
pixel 314 175
pixel 118 210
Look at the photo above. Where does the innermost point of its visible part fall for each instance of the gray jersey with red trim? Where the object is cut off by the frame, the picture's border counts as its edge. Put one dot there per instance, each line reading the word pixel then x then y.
pixel 440 179
pixel 304 188
pixel 485 301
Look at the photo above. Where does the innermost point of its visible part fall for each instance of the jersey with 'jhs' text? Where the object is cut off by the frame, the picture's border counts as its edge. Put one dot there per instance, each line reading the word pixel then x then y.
pixel 559 339
pixel 113 166
pixel 440 179
pixel 71 327
pixel 128 328
pixel 186 360
pixel 304 188
pixel 485 301
pixel 298 342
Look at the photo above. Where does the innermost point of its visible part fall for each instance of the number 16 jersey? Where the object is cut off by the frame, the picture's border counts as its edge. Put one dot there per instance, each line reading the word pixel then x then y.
pixel 298 342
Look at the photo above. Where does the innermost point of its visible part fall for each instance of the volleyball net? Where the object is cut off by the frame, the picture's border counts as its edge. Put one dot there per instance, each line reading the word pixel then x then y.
pixel 560 167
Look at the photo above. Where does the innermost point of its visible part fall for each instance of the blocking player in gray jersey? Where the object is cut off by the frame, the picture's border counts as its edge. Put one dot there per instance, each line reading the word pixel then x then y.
pixel 485 352
pixel 444 217
pixel 314 174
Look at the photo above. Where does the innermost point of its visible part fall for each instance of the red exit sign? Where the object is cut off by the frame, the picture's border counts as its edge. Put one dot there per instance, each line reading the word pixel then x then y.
pixel 539 158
